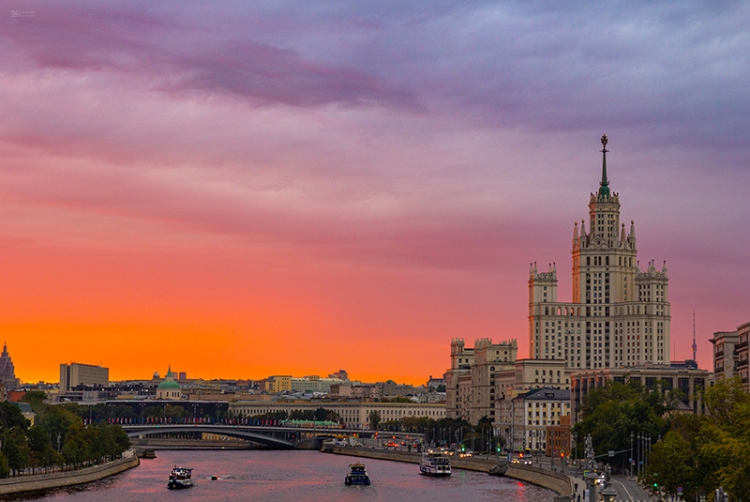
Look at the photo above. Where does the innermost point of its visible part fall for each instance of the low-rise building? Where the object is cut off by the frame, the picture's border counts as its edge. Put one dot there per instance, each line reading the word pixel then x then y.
pixel 558 438
pixel 313 383
pixel 524 419
pixel 169 389
pixel 686 377
pixel 355 414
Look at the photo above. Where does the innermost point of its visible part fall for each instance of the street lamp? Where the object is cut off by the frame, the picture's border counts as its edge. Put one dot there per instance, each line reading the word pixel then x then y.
pixel 638 454
pixel 609 493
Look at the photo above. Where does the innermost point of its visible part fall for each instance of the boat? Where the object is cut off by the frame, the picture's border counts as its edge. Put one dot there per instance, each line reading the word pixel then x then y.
pixel 435 464
pixel 357 475
pixel 180 477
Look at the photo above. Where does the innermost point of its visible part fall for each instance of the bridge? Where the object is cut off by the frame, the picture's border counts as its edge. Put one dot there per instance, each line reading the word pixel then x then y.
pixel 278 437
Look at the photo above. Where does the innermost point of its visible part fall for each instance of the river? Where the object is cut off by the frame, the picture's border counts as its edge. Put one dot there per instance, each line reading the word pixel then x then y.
pixel 296 476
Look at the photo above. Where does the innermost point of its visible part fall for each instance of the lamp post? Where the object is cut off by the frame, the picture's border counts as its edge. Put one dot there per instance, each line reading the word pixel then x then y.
pixel 638 454
pixel 630 467
pixel 609 493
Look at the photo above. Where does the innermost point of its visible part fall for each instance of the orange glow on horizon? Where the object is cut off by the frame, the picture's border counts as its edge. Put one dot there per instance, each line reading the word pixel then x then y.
pixel 213 316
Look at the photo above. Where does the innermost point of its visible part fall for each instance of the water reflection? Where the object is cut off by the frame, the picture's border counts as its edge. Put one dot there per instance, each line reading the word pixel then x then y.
pixel 298 476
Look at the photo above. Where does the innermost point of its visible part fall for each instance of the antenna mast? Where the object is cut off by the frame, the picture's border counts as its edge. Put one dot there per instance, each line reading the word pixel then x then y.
pixel 695 347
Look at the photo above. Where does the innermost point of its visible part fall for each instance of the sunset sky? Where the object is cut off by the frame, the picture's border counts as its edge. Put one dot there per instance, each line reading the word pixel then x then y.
pixel 242 189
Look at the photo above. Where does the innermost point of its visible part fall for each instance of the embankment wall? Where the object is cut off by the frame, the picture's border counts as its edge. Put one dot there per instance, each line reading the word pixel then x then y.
pixel 555 481
pixel 40 482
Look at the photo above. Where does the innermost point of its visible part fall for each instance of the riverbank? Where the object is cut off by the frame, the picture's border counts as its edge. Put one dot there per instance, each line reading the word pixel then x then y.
pixel 192 444
pixel 554 481
pixel 41 482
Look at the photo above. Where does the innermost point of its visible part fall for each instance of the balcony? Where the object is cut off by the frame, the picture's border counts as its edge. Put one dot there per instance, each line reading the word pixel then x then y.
pixel 740 345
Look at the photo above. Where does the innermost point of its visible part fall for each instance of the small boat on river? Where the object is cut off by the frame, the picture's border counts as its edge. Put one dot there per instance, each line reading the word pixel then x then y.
pixel 180 477
pixel 357 475
pixel 435 464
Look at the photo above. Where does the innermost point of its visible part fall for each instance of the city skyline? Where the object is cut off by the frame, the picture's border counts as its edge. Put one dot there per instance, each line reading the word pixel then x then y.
pixel 285 189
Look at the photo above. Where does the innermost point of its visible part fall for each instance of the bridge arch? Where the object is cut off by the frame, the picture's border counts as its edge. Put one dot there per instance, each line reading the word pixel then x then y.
pixel 269 440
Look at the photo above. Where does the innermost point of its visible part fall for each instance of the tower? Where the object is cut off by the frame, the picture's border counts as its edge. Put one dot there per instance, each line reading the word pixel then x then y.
pixel 695 346
pixel 619 316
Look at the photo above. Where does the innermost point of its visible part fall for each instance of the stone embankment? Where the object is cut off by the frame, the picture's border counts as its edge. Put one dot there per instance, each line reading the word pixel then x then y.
pixel 555 481
pixel 41 482
pixel 192 444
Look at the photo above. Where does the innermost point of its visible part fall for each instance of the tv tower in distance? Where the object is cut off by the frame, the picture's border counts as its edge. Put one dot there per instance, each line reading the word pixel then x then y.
pixel 695 347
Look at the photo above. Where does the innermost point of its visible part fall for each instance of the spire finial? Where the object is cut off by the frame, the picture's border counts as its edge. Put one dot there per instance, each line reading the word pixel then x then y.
pixel 604 184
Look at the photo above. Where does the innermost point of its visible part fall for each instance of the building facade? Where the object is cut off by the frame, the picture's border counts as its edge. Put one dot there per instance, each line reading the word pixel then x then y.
pixel 686 377
pixel 75 374
pixel 313 383
pixel 470 385
pixel 731 354
pixel 619 315
pixel 354 414
pixel 168 389
pixel 525 419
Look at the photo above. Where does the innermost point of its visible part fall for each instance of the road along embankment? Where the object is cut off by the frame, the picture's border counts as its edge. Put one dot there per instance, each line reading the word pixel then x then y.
pixel 40 482
pixel 555 481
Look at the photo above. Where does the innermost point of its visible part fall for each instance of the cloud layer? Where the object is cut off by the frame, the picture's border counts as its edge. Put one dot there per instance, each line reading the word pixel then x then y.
pixel 278 173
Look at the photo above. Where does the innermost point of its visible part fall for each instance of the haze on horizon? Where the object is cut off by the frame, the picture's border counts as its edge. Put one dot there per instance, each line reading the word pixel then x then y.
pixel 284 188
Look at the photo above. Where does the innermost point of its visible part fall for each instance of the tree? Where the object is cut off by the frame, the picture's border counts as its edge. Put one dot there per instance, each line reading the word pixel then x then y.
pixel 611 413
pixel 16 449
pixel 4 469
pixel 11 416
pixel 374 418
pixel 701 453
pixel 57 421
pixel 43 454
pixel 36 399
pixel 302 415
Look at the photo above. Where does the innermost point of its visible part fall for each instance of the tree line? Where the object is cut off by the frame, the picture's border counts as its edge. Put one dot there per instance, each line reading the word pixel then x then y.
pixel 58 438
pixel 689 454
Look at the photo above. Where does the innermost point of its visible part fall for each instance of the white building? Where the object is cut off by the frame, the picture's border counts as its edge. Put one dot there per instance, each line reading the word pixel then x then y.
pixel 524 419
pixel 354 414
pixel 314 383
pixel 619 315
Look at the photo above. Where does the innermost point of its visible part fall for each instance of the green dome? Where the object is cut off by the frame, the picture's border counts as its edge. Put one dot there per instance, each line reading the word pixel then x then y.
pixel 167 384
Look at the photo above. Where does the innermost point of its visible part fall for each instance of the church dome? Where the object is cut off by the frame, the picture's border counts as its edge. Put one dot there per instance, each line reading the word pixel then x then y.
pixel 168 384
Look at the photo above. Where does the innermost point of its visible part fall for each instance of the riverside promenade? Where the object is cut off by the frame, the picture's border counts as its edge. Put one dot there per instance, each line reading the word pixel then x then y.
pixel 60 479
pixel 557 482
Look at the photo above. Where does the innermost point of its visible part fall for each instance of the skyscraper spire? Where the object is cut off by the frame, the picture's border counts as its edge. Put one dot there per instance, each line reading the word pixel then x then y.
pixel 604 184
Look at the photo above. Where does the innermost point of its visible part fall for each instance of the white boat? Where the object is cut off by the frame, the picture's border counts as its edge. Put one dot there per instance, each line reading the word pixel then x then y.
pixel 180 477
pixel 435 463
